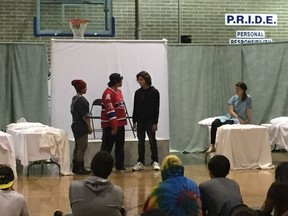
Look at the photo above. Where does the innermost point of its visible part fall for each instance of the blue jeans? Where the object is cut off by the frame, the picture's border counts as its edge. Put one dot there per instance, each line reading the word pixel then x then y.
pixel 143 128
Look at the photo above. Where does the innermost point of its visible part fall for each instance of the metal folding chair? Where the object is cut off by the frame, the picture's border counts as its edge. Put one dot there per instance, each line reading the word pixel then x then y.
pixel 98 103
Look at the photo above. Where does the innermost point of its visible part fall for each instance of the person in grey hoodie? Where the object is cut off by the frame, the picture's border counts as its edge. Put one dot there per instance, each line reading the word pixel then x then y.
pixel 96 195
pixel 220 195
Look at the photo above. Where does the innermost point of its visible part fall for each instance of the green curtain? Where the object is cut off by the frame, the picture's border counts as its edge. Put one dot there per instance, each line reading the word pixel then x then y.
pixel 265 69
pixel 24 85
pixel 5 86
pixel 202 79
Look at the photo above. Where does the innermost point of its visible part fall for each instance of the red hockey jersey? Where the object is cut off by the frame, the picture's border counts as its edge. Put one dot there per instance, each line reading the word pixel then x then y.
pixel 113 112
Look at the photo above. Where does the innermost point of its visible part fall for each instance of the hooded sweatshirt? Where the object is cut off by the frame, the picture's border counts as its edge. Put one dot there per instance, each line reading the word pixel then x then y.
pixel 146 105
pixel 95 196
pixel 176 195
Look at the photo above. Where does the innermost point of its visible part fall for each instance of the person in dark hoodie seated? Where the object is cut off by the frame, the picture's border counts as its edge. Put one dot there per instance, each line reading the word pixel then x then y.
pixel 96 195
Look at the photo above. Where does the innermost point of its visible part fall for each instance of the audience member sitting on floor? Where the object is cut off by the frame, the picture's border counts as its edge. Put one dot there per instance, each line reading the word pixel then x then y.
pixel 176 195
pixel 243 211
pixel 96 195
pixel 12 203
pixel 58 213
pixel 277 196
pixel 154 212
pixel 219 195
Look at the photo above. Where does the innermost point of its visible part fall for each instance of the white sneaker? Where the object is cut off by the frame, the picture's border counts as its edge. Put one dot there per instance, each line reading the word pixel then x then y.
pixel 139 166
pixel 211 148
pixel 156 166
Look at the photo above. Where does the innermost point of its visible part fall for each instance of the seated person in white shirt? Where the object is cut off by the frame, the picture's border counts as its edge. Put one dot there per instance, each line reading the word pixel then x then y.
pixel 12 203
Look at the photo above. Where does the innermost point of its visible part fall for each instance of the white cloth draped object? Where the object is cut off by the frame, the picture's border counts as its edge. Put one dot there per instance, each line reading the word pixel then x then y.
pixel 246 146
pixel 7 152
pixel 35 141
pixel 278 134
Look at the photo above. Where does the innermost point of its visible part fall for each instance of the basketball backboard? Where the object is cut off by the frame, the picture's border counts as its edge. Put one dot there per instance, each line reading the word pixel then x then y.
pixel 52 17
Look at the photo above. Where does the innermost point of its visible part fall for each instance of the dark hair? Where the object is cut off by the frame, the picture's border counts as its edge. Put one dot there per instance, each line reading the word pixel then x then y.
pixel 154 212
pixel 219 166
pixel 281 172
pixel 146 76
pixel 58 213
pixel 102 164
pixel 243 86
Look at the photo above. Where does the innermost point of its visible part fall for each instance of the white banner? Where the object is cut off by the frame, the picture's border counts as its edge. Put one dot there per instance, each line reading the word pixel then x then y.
pixel 251 19
pixel 249 41
pixel 93 61
pixel 250 34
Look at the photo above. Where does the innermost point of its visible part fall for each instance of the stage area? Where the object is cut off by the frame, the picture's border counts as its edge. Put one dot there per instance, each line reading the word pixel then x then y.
pixel 130 148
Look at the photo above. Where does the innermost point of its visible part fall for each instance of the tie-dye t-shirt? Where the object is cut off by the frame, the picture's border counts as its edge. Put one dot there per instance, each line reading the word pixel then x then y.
pixel 176 195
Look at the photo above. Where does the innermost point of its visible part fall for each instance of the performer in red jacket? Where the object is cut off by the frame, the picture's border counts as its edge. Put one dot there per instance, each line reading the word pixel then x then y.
pixel 113 120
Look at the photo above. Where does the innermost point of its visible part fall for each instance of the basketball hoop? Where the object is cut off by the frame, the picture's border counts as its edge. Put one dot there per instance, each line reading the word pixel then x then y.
pixel 78 27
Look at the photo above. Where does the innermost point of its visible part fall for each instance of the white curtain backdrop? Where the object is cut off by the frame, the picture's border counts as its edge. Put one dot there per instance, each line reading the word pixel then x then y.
pixel 93 61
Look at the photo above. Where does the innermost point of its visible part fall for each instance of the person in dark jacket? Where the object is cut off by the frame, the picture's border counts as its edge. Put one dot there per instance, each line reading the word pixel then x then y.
pixel 277 200
pixel 81 126
pixel 145 119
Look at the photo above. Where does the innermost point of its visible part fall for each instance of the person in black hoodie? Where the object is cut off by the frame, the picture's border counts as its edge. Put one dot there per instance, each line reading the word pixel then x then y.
pixel 145 119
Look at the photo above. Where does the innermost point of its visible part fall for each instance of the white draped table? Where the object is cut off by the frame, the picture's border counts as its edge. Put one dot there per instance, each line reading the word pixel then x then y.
pixel 35 141
pixel 7 151
pixel 278 134
pixel 246 146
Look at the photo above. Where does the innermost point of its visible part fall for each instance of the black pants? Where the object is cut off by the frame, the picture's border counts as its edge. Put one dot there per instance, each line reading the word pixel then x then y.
pixel 143 128
pixel 215 124
pixel 108 141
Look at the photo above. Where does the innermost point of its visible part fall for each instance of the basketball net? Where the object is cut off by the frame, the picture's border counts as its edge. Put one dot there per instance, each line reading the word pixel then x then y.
pixel 78 27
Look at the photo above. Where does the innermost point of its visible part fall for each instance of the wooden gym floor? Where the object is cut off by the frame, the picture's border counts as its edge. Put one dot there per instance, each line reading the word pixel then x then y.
pixel 45 194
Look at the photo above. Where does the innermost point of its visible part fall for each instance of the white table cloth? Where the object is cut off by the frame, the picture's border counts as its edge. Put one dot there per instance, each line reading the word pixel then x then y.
pixel 278 134
pixel 7 152
pixel 35 141
pixel 246 146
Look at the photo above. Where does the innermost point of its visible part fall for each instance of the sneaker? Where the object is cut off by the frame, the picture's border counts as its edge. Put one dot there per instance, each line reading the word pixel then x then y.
pixel 211 148
pixel 139 166
pixel 156 166
pixel 121 169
